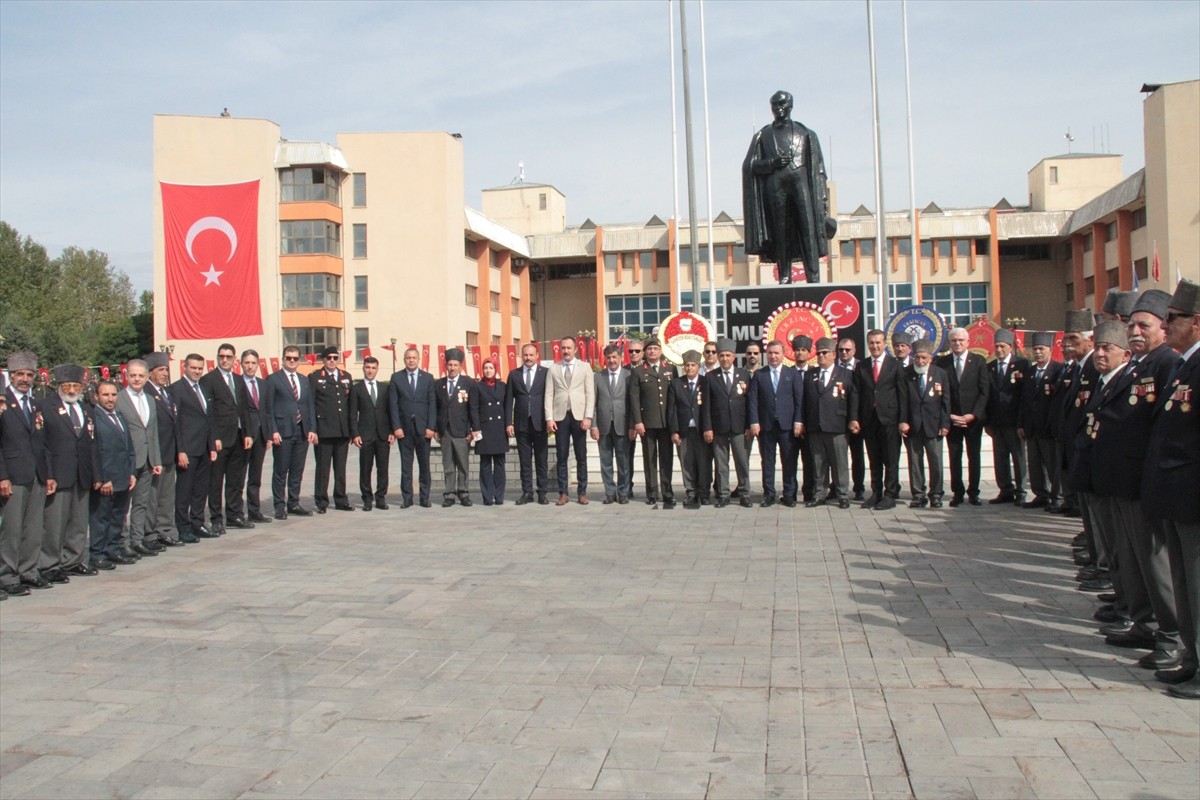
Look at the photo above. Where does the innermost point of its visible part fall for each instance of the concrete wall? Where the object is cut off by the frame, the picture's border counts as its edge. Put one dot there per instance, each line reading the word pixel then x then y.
pixel 1172 142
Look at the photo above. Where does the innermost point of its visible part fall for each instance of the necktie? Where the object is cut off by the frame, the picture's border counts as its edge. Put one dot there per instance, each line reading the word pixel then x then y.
pixel 1038 376
pixel 26 407
pixel 295 393
pixel 254 392
pixel 200 395
pixel 728 380
pixel 824 378
pixel 371 389
pixel 529 379
pixel 567 373
pixel 876 370
pixel 143 408
pixel 116 421
pixel 1175 371
pixel 612 383
pixel 450 387
pixel 958 365
pixel 923 374
pixel 229 383
pixel 774 379
pixel 166 396
pixel 412 381
pixel 1003 369
pixel 76 421
pixel 692 389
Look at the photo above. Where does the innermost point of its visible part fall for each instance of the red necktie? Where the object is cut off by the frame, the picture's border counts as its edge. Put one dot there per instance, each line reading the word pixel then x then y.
pixel 876 370
pixel 254 392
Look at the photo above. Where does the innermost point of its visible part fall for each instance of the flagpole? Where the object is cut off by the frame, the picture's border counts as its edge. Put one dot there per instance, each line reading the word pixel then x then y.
pixel 880 240
pixel 712 287
pixel 676 300
pixel 914 258
pixel 689 150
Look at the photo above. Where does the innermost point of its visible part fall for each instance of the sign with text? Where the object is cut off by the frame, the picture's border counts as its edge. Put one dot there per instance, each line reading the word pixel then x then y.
pixel 762 313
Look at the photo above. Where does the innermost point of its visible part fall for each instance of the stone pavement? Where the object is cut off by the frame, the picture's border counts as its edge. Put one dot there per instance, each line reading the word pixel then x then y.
pixel 590 652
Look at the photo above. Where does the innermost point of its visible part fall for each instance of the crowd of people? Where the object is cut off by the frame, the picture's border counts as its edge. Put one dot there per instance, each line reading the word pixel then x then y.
pixel 1109 435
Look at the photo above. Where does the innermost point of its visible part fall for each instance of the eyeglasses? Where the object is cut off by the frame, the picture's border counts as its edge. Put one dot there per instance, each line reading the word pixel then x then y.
pixel 710 352
pixel 635 351
pixel 223 356
pixel 1174 315
pixel 331 358
pixel 845 349
pixel 291 358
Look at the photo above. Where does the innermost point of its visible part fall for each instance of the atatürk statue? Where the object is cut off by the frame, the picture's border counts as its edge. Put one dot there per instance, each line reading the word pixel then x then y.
pixel 784 195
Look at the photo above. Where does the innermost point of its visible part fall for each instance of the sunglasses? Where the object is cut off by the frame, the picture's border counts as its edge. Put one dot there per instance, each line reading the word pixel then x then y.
pixel 331 358
pixel 845 349
pixel 224 355
pixel 710 352
pixel 1174 315
pixel 291 358
pixel 635 351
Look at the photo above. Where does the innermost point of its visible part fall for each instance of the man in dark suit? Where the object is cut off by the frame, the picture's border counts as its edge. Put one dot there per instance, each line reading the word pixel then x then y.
pixel 684 412
pixel 526 413
pixel 115 478
pixel 882 406
pixel 846 350
pixel 455 423
pixel 226 418
pixel 725 420
pixel 26 480
pixel 611 425
pixel 196 451
pixel 371 433
pixel 413 411
pixel 1007 376
pixel 649 396
pixel 802 459
pixel 69 437
pixel 636 352
pixel 165 532
pixel 1171 476
pixel 830 412
pixel 254 401
pixel 925 425
pixel 330 389
pixel 1037 404
pixel 902 348
pixel 292 426
pixel 969 390
pixel 776 415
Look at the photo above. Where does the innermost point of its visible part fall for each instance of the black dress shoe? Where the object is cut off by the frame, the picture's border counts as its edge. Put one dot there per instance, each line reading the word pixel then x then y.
pixel 299 511
pixel 811 503
pixel 142 550
pixel 789 502
pixel 1189 689
pixel 1003 497
pixel 525 498
pixel 956 501
pixel 170 543
pixel 281 515
pixel 720 503
pixel 320 509
pixel 1118 625
pixel 885 504
pixel 871 501
pixel 1162 659
pixel 82 570
pixel 744 501
pixel 129 552
pixel 1132 639
pixel 16 590
pixel 381 505
pixel 426 504
pixel 154 544
pixel 843 503
pixel 767 501
pixel 542 499
pixel 256 517
pixel 205 533
pixel 487 502
pixel 1107 597
pixel 188 538
pixel 975 501
pixel 935 502
pixel 120 559
pixel 858 496
pixel 104 564
pixel 1173 676
pixel 344 507
pixel 1104 584
pixel 1037 502
pixel 622 500
pixel 37 583
pixel 609 499
pixel 367 507
pixel 465 501
pixel 238 522
pixel 448 502
pixel 691 505
pixel 56 576
pixel 919 502
pixel 1106 615
pixel 1054 507
pixel 406 504
pixel 669 502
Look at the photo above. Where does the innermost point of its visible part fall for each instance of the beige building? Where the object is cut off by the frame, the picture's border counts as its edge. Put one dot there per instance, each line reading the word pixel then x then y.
pixel 368 240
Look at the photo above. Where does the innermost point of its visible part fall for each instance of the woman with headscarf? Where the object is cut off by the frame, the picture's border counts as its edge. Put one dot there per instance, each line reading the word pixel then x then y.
pixel 491 445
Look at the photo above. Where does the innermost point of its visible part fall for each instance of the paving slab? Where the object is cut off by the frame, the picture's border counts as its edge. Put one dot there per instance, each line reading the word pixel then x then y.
pixel 590 651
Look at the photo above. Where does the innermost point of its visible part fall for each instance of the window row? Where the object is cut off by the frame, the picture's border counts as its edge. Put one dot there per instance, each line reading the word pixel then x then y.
pixel 316 290
pixel 300 184
pixel 312 340
pixel 961 248
pixel 307 237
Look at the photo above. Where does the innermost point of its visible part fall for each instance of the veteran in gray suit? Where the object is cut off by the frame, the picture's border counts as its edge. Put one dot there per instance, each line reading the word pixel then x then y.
pixel 137 409
pixel 611 424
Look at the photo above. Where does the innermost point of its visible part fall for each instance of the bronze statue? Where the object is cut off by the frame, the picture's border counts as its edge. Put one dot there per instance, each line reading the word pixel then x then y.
pixel 784 195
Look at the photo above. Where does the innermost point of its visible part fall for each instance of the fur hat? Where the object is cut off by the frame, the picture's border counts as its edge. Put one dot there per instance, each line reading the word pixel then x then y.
pixel 826 344
pixel 155 360
pixel 691 357
pixel 923 345
pixel 1186 297
pixel 22 360
pixel 1042 339
pixel 1111 332
pixel 1153 301
pixel 801 342
pixel 1079 320
pixel 1005 336
pixel 726 346
pixel 68 373
pixel 900 337
pixel 454 354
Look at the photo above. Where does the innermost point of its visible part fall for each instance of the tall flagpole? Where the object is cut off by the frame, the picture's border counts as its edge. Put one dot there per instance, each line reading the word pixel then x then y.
pixel 691 160
pixel 914 258
pixel 675 301
pixel 881 303
pixel 712 285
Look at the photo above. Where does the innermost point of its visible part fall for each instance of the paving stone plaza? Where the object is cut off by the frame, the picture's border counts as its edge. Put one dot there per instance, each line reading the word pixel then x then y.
pixel 590 652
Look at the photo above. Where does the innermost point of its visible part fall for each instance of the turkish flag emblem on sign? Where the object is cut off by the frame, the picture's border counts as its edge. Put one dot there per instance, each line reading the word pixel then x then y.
pixel 211 235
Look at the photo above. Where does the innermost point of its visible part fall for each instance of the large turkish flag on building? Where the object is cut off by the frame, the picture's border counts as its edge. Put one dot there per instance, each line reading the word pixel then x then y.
pixel 211 235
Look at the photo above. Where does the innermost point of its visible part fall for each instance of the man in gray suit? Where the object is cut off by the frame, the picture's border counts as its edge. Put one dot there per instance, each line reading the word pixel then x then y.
pixel 137 409
pixel 609 430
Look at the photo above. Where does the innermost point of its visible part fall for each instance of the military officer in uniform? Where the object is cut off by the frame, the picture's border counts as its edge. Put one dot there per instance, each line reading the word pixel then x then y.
pixel 649 395
pixel 330 387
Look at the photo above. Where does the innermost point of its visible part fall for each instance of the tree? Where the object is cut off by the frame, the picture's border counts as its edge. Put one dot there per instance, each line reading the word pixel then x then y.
pixel 117 343
pixel 143 320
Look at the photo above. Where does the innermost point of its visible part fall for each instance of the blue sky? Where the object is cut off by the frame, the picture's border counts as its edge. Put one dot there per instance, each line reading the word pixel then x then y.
pixel 579 91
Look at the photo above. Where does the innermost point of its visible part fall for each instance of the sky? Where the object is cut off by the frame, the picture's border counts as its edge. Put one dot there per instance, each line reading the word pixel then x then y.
pixel 580 92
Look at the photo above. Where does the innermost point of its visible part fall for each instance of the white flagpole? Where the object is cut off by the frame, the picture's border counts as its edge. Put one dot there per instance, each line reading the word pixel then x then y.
pixel 881 303
pixel 693 243
pixel 914 258
pixel 675 301
pixel 712 288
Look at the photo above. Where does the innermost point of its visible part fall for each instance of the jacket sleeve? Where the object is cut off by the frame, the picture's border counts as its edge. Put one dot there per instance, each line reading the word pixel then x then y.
pixel 985 390
pixel 752 402
pixel 394 404
pixel 152 434
pixel 798 396
pixel 589 399
pixel 354 406
pixel 509 396
pixel 548 399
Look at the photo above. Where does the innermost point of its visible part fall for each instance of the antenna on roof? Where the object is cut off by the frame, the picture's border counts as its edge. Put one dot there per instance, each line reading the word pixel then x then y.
pixel 1069 139
pixel 520 172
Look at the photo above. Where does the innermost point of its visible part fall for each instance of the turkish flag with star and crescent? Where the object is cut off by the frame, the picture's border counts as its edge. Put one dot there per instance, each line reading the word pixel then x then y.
pixel 211 237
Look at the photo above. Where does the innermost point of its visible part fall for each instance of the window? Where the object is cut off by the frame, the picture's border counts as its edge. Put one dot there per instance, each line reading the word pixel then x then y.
pixel 360 189
pixel 685 303
pixel 926 248
pixel 904 246
pixel 943 248
pixel 316 290
pixel 360 292
pixel 493 258
pixel 1110 232
pixel 636 312
pixel 494 301
pixel 1139 218
pixel 739 251
pixel 1068 251
pixel 532 311
pixel 983 247
pixel 300 184
pixel 472 338
pixel 1089 285
pixel 514 305
pixel 1114 278
pixel 1023 252
pixel 866 248
pixel 610 262
pixel 310 237
pixel 469 248
pixel 962 248
pixel 1141 268
pixel 846 248
pixel 1087 243
pixel 645 260
pixel 959 303
pixel 312 340
pixel 899 296
pixel 362 340
pixel 1071 292
pixel 472 294
pixel 360 240
pixel 542 201
pixel 1054 175
pixel 721 253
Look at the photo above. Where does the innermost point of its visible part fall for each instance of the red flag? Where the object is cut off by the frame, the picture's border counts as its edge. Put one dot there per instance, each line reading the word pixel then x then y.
pixel 264 368
pixel 1156 272
pixel 512 357
pixel 105 372
pixel 211 242
pixel 44 374
pixel 274 364
pixel 346 355
pixel 556 347
pixel 477 360
pixel 1057 353
pixel 211 364
pixel 441 355
pixel 1020 340
pixel 584 351
pixel 366 353
pixel 311 358
pixel 624 350
pixel 391 347
pixel 425 357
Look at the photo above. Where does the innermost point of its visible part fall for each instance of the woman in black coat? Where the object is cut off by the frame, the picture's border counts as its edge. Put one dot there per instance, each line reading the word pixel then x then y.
pixel 487 399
